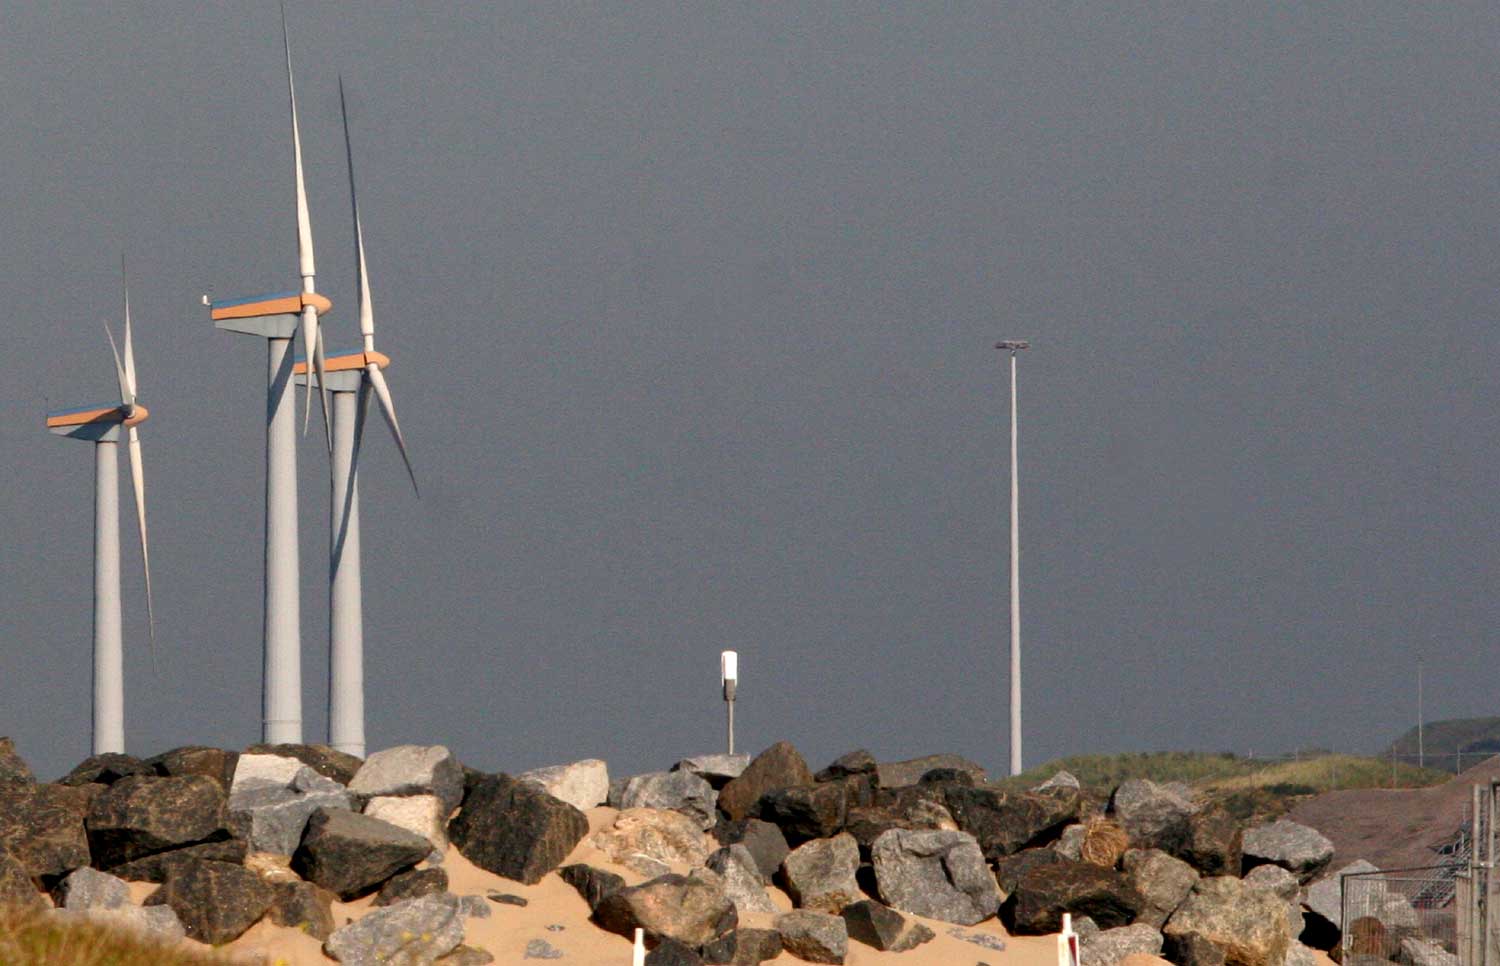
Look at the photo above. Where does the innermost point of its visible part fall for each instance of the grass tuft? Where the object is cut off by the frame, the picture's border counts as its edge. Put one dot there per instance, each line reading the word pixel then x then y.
pixel 35 938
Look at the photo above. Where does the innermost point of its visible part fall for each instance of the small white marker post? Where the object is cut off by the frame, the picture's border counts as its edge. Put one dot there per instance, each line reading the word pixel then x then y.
pixel 729 672
pixel 1067 943
pixel 638 957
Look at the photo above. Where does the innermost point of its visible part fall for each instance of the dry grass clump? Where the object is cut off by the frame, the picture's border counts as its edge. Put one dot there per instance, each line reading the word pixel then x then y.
pixel 1104 842
pixel 34 938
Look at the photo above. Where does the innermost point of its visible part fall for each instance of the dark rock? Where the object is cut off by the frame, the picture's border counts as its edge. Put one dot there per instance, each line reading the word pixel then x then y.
pixel 323 759
pixel 894 774
pixel 1154 816
pixel 882 927
pixel 159 866
pixel 595 885
pixel 304 906
pixel 677 791
pixel 351 854
pixel 215 901
pixel 507 899
pixel 1007 822
pixel 1214 842
pixel 820 875
pixel 1191 949
pixel 765 841
pixel 779 766
pixel 937 874
pixel 412 770
pixel 215 763
pixel 805 812
pixel 913 812
pixel 541 949
pixel 105 769
pixel 670 952
pixel 42 827
pixel 947 776
pixel 414 931
pixel 1047 891
pixel 141 815
pixel 1011 869
pixel 412 884
pixel 859 762
pixel 743 947
pixel 814 936
pixel 691 909
pixel 617 790
pixel 1249 924
pixel 13 767
pixel 16 887
pixel 516 830
pixel 1300 850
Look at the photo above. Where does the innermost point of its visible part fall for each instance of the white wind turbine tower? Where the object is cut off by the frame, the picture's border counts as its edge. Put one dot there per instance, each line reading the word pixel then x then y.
pixel 100 425
pixel 351 377
pixel 1013 346
pixel 276 318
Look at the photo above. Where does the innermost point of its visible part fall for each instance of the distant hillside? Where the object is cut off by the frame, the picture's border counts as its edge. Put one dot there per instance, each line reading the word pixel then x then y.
pixel 1450 746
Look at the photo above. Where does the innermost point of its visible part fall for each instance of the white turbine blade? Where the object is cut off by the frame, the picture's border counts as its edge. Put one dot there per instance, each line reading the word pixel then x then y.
pixel 138 483
pixel 388 408
pixel 366 316
pixel 304 226
pixel 320 363
pixel 127 398
pixel 129 350
pixel 309 354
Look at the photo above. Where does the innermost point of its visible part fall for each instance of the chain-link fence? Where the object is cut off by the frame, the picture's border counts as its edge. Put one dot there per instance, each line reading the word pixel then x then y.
pixel 1405 915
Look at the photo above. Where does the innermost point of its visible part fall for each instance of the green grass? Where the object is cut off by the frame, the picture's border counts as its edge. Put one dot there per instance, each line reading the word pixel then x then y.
pixel 1103 772
pixel 35 939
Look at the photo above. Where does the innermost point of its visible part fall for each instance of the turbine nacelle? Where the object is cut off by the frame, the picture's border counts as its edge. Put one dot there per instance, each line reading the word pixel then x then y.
pixel 98 423
pixel 343 371
pixel 274 316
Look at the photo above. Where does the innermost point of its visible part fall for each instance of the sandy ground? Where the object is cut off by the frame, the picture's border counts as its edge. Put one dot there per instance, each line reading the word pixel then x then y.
pixel 556 914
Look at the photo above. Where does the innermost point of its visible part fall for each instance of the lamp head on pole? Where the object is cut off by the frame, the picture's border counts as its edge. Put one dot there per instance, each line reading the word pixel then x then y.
pixel 1013 345
pixel 729 672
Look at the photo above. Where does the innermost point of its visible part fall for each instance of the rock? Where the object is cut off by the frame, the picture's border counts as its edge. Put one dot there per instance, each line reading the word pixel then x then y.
pixel 463 955
pixel 302 906
pixel 813 936
pixel 764 840
pixel 91 889
pixel 414 931
pixel 214 763
pixel 595 885
pixel 1062 779
pixel 16 887
pixel 1162 881
pixel 105 769
pixel 1247 923
pixel 419 814
pixel 1325 897
pixel 509 899
pixel 1300 850
pixel 678 791
pixel 159 866
pixel 541 949
pixel 1214 842
pixel 858 762
pixel 351 854
pixel 1011 869
pixel 1300 955
pixel 42 827
pixel 335 765
pixel 277 814
pixel 1282 884
pixel 215 901
pixel 1418 952
pixel 141 815
pixel 1109 946
pixel 940 875
pixel 806 812
pixel 657 834
pixel 583 784
pixel 1191 949
pixel 253 771
pixel 1154 816
pixel 894 774
pixel 691 909
pixel 1069 844
pixel 616 790
pixel 867 823
pixel 472 907
pixel 155 923
pixel 670 952
pixel 820 875
pixel 412 884
pixel 742 881
pixel 743 947
pixel 779 766
pixel 412 770
pixel 1005 822
pixel 717 770
pixel 13 767
pixel 1046 892
pixel 882 927
pixel 516 830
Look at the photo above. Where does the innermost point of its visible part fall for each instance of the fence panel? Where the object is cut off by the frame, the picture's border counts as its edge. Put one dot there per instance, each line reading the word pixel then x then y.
pixel 1403 915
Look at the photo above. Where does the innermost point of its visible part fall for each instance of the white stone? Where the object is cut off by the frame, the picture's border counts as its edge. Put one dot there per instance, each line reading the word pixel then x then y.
pixel 583 784
pixel 422 814
pixel 411 770
pixel 264 771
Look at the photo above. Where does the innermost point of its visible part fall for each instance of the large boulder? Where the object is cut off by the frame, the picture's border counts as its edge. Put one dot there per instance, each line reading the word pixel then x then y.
pixel 419 814
pixel 335 765
pixel 351 855
pixel 412 770
pixel 516 830
pixel 303 906
pixel 160 866
pixel 1325 897
pixel 677 791
pixel 692 909
pixel 1248 924
pixel 1214 843
pixel 670 952
pixel 1300 850
pixel 743 947
pixel 882 927
pixel 1162 881
pixel 1006 822
pixel 276 813
pixel 1154 816
pixel 764 840
pixel 1284 886
pixel 215 763
pixel 868 822
pixel 1109 946
pixel 16 887
pixel 1078 888
pixel 741 880
pixel 13 767
pixel 582 784
pixel 659 835
pixel 820 875
pixel 779 766
pixel 805 812
pixel 814 937
pixel 415 931
pixel 940 875
pixel 1191 949
pixel 1011 869
pixel 106 769
pixel 717 770
pixel 215 901
pixel 141 815
pixel 42 827
pixel 894 774
pixel 857 762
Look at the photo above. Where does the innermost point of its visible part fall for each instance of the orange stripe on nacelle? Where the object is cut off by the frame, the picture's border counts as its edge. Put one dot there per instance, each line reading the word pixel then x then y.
pixel 285 305
pixel 347 361
pixel 105 414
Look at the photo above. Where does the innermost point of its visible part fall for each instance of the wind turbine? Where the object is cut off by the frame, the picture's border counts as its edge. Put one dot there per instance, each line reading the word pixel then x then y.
pixel 277 318
pixel 351 377
pixel 100 425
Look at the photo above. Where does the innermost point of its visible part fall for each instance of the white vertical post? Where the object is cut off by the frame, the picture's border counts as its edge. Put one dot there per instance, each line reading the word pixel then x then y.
pixel 729 675
pixel 282 707
pixel 638 952
pixel 1015 586
pixel 346 674
pixel 109 660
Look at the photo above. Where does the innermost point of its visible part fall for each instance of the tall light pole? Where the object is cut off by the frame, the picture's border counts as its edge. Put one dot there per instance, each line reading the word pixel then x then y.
pixel 1013 347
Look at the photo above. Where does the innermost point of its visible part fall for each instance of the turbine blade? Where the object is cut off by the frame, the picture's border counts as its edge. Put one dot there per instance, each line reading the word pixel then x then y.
pixel 320 364
pixel 388 408
pixel 309 353
pixel 126 399
pixel 129 347
pixel 138 484
pixel 304 226
pixel 366 316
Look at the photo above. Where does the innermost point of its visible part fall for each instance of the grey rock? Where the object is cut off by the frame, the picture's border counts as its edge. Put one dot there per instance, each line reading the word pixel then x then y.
pixel 516 830
pixel 743 947
pixel 351 854
pixel 1084 927
pixel 1249 924
pixel 764 840
pixel 472 907
pixel 1108 946
pixel 276 815
pixel 983 940
pixel 1062 779
pixel 815 937
pixel 692 909
pixel 894 774
pixel 91 889
pixel 882 927
pixel 302 906
pixel 1300 955
pixel 157 923
pixel 422 814
pixel 463 955
pixel 339 766
pixel 1162 881
pixel 594 885
pixel 717 770
pixel 940 875
pixel 1274 879
pixel 215 901
pixel 411 884
pixel 678 791
pixel 414 931
pixel 1417 951
pixel 616 790
pixel 1154 816
pixel 1069 844
pixel 742 880
pixel 1300 850
pixel 820 875
pixel 1325 896
pixel 412 770
pixel 541 949
pixel 582 784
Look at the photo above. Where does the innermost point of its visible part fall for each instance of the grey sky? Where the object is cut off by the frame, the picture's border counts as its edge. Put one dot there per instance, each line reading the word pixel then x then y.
pixel 691 312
